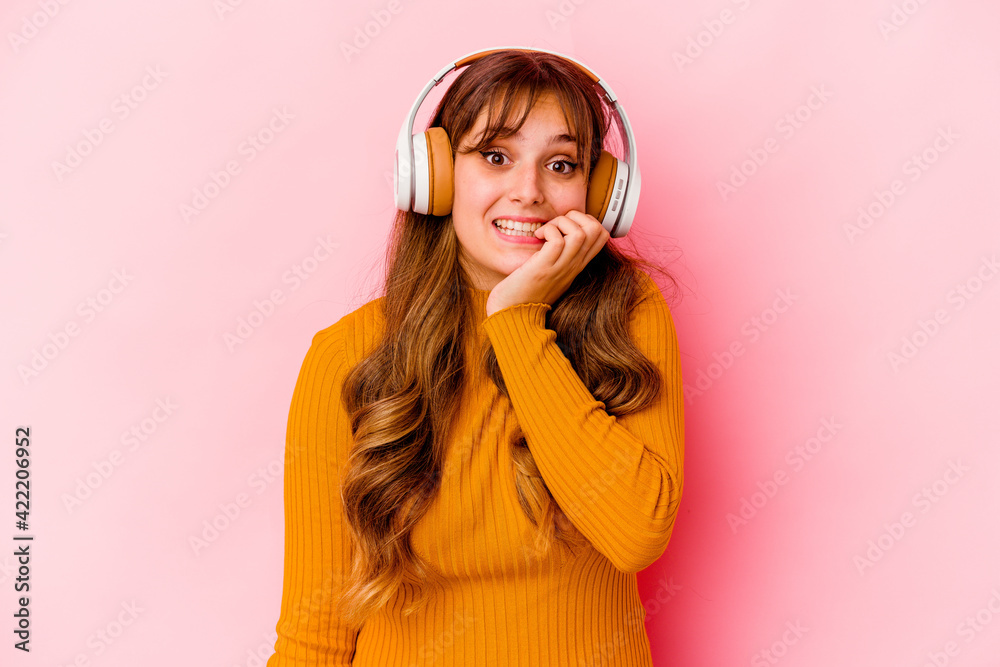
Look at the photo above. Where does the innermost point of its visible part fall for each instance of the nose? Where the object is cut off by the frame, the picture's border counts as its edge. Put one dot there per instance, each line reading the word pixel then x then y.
pixel 525 185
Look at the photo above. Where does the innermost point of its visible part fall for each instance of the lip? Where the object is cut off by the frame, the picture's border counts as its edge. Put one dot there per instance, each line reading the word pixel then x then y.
pixel 518 218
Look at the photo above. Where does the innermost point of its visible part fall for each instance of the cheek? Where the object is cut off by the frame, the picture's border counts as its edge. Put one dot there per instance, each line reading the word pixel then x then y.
pixel 574 197
pixel 472 195
pixel 462 184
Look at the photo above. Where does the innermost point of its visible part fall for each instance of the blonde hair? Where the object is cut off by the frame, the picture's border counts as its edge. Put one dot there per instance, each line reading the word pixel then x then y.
pixel 400 398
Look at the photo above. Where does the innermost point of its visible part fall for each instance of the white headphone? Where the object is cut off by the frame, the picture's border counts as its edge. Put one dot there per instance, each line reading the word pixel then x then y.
pixel 424 171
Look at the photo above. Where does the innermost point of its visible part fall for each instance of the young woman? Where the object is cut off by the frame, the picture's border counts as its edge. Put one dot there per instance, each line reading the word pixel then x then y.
pixel 480 460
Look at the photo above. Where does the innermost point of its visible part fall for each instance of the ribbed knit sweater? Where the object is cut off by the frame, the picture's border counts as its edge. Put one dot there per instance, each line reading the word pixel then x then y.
pixel 618 479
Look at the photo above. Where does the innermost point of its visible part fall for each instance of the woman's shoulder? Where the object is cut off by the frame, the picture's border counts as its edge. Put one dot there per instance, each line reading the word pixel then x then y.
pixel 650 311
pixel 355 332
pixel 650 292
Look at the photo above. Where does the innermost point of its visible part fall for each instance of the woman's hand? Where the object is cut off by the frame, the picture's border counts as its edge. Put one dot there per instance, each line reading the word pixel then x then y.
pixel 571 241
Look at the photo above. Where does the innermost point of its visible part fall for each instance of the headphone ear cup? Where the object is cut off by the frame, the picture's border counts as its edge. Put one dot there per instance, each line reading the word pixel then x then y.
pixel 601 187
pixel 441 172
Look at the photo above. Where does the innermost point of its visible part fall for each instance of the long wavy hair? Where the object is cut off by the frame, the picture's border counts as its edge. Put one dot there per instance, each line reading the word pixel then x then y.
pixel 400 397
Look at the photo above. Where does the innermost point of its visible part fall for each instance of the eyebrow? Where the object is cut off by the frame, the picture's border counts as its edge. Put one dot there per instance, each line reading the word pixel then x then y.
pixel 555 139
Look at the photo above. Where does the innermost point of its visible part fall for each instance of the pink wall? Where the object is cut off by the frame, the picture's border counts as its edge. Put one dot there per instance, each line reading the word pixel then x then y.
pixel 841 494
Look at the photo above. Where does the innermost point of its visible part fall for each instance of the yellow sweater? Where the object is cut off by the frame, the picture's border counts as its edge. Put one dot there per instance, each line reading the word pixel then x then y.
pixel 619 480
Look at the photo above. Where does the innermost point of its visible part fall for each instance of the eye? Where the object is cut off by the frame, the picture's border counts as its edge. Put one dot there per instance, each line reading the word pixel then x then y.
pixel 568 168
pixel 489 157
pixel 565 166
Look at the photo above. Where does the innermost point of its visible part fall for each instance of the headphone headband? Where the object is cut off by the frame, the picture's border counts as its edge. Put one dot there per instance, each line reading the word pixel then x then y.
pixel 406 197
pixel 476 55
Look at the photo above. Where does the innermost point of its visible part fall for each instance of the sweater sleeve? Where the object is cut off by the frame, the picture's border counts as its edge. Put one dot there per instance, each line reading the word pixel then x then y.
pixel 619 480
pixel 316 552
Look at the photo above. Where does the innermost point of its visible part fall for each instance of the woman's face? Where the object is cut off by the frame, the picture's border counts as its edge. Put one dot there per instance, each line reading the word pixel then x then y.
pixel 530 177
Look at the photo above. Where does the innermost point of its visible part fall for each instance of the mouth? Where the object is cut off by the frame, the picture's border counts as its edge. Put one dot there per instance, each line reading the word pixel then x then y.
pixel 510 227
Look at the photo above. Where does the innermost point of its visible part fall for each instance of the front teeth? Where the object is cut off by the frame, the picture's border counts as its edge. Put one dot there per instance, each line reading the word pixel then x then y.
pixel 503 223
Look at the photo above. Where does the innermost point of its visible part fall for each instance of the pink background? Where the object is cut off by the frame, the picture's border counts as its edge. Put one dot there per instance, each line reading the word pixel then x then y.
pixel 836 560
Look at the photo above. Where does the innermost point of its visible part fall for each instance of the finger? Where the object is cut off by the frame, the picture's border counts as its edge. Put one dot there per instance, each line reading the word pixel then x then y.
pixel 595 236
pixel 588 224
pixel 554 242
pixel 573 250
pixel 600 233
pixel 576 237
